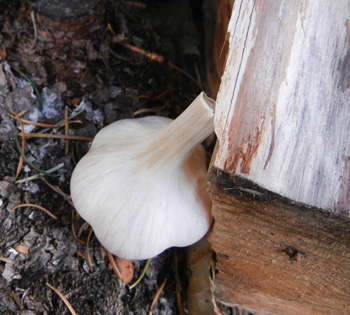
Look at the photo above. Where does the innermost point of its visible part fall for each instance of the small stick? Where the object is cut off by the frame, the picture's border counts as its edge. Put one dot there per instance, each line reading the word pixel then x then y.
pixel 152 56
pixel 141 51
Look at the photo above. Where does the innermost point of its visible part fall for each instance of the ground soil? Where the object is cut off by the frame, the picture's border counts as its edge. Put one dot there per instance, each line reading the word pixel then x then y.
pixel 108 82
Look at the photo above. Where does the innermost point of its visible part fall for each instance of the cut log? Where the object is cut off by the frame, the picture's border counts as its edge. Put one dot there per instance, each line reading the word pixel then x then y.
pixel 66 34
pixel 65 21
pixel 275 256
pixel 280 181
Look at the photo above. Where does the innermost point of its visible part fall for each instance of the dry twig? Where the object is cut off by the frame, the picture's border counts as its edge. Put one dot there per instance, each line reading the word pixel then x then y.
pixel 120 39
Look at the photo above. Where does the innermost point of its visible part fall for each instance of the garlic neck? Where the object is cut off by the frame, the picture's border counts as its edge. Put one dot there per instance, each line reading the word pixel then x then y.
pixel 177 139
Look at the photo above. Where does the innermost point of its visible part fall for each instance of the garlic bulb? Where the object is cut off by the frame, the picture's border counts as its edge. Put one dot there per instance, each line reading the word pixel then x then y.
pixel 142 185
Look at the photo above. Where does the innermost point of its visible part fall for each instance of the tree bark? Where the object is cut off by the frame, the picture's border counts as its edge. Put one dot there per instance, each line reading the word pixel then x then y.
pixel 280 179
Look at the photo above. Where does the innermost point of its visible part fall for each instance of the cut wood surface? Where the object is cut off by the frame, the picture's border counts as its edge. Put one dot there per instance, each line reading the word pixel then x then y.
pixel 277 257
pixel 280 178
pixel 283 111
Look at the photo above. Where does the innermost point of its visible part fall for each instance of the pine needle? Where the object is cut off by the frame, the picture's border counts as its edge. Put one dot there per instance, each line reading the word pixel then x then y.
pixel 37 176
pixel 113 264
pixel 148 110
pixel 157 296
pixel 35 206
pixel 66 130
pixel 63 298
pixel 73 230
pixel 165 93
pixel 20 162
pixel 187 75
pixel 142 274
pixel 46 135
pixel 36 90
pixel 32 165
pixel 59 191
pixel 37 124
pixel 135 4
pixel 87 250
pixel 80 254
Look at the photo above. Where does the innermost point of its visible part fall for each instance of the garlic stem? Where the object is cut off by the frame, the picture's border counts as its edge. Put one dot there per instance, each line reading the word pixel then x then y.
pixel 178 138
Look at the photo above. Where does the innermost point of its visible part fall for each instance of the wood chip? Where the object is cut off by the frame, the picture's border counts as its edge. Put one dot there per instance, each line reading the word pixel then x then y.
pixel 22 249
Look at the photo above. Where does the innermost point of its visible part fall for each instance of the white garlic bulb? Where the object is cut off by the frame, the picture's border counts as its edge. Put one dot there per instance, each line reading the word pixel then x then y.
pixel 142 185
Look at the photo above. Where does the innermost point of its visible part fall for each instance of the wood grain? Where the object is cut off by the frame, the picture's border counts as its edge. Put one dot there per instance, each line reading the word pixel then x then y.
pixel 282 115
pixel 276 256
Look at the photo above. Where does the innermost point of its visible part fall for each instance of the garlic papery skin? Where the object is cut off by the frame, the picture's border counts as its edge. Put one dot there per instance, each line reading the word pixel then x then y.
pixel 142 185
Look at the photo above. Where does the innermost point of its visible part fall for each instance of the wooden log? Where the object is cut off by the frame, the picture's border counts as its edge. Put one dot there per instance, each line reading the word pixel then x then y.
pixel 66 33
pixel 65 21
pixel 280 180
pixel 283 113
pixel 275 256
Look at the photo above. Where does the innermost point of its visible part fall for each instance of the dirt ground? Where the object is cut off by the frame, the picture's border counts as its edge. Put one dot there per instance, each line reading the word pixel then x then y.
pixel 97 81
